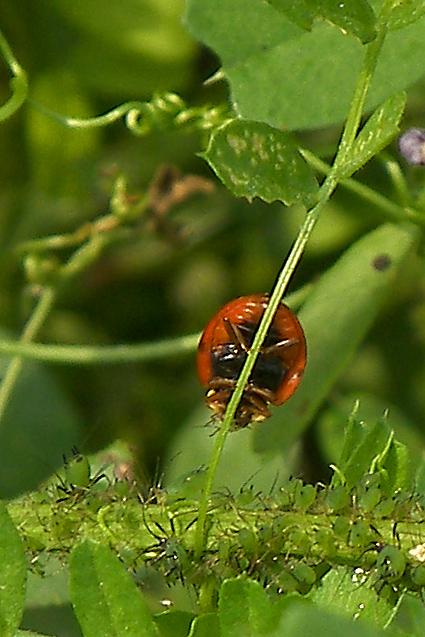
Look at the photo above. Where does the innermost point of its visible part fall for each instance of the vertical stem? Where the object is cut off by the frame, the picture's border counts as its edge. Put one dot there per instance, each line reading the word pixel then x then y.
pixel 344 149
pixel 36 320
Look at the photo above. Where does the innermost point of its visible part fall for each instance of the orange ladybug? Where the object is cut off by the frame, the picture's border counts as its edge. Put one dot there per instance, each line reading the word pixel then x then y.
pixel 223 349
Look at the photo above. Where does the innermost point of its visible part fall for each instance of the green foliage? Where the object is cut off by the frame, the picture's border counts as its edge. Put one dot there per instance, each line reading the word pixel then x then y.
pixel 334 329
pixel 123 239
pixel 12 576
pixel 104 598
pixel 313 75
pixel 271 561
pixel 358 18
pixel 381 127
pixel 255 160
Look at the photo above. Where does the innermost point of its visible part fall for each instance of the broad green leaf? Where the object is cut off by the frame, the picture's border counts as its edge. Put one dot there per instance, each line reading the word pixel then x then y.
pixel 355 17
pixel 310 620
pixel 293 79
pixel 340 592
pixel 13 567
pixel 205 626
pixel 381 127
pixel 254 160
pixel 238 29
pixel 106 601
pixel 336 317
pixel 174 622
pixel 244 609
pixel 405 12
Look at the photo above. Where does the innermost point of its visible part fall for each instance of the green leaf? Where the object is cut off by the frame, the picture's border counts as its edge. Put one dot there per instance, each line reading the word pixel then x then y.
pixel 381 127
pixel 355 17
pixel 13 569
pixel 239 29
pixel 285 77
pixel 332 438
pixel 174 622
pixel 206 626
pixel 309 620
pixel 397 466
pixel 106 601
pixel 336 317
pixel 358 457
pixel 244 609
pixel 372 448
pixel 254 160
pixel 340 592
pixel 405 12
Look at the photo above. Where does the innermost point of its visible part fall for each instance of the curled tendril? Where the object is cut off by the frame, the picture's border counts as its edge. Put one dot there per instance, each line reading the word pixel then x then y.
pixel 163 111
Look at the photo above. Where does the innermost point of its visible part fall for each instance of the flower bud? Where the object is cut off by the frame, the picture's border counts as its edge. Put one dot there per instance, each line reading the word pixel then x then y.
pixel 412 146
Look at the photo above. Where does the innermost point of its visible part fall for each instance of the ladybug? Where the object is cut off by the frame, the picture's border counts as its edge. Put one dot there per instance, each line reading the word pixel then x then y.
pixel 223 349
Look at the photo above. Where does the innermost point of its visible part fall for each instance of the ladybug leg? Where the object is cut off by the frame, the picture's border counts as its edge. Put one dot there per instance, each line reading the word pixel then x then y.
pixel 260 407
pixel 222 383
pixel 286 342
pixel 235 334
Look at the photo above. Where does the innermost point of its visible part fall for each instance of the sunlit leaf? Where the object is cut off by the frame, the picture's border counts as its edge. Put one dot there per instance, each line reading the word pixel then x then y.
pixel 405 12
pixel 338 590
pixel 255 160
pixel 289 78
pixel 355 17
pixel 381 127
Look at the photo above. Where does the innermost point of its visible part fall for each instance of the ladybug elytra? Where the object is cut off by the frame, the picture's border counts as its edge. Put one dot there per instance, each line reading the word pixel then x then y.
pixel 223 349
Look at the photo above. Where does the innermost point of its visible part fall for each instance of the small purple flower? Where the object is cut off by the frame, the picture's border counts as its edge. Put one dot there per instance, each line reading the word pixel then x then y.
pixel 412 146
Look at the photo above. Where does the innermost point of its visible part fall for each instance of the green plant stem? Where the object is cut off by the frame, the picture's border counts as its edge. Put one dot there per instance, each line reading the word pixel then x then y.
pixel 344 149
pixel 116 354
pixel 79 261
pixel 95 355
pixel 162 111
pixel 398 212
pixel 31 329
pixel 18 83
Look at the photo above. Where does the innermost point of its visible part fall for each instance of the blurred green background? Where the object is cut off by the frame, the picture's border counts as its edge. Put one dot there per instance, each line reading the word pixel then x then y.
pixel 167 278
